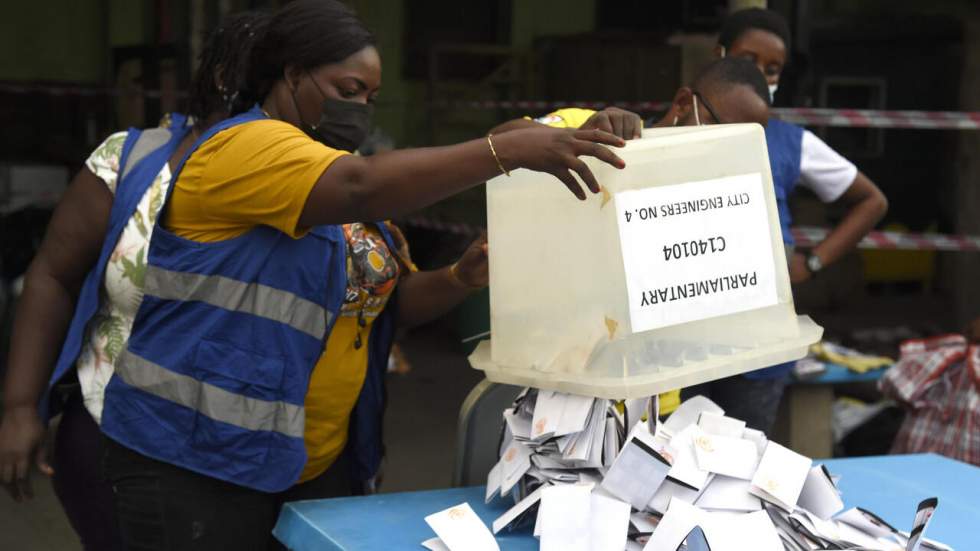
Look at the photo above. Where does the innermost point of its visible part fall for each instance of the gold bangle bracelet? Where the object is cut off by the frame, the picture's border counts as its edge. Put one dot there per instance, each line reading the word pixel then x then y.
pixel 495 157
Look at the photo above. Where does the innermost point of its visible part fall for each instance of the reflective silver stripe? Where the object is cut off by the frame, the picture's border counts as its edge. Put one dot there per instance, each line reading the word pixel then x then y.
pixel 149 141
pixel 209 400
pixel 250 298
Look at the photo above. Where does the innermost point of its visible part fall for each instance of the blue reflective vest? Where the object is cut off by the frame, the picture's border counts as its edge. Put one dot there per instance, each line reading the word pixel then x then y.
pixel 216 370
pixel 785 144
pixel 135 178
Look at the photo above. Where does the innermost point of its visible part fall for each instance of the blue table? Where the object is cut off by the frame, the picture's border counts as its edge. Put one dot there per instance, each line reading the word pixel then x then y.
pixel 889 486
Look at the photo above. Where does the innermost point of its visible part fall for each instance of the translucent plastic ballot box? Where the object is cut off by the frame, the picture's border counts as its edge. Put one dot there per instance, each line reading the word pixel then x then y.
pixel 675 274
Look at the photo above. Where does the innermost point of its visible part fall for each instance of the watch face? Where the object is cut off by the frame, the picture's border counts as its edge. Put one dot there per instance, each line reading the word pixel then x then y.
pixel 813 263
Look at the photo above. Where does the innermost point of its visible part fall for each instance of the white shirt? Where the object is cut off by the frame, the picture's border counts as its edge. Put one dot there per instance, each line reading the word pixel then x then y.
pixel 823 170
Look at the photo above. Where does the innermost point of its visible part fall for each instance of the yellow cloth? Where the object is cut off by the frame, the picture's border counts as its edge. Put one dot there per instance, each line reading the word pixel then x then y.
pixel 260 173
pixel 570 117
pixel 574 117
pixel 851 359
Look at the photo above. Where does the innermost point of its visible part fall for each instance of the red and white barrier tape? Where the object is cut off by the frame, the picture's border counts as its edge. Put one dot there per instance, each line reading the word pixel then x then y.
pixel 804 236
pixel 866 118
pixel 857 118
pixel 83 91
pixel 809 116
pixel 808 237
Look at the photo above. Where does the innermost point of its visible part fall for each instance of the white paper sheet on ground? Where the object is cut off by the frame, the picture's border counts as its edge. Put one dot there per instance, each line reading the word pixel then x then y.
pixel 728 456
pixel 547 414
pixel 780 476
pixel 826 529
pixel 564 517
pixel 580 448
pixel 653 415
pixel 728 494
pixel 461 529
pixel 610 444
pixel 523 505
pixel 494 478
pixel 671 490
pixel 519 425
pixel 637 472
pixel 678 521
pixel 575 414
pixel 598 436
pixel 758 438
pixel 516 460
pixel 644 522
pixel 819 495
pixel 688 413
pixel 546 462
pixel 635 410
pixel 685 468
pixel 434 544
pixel 564 476
pixel 923 515
pixel 738 532
pixel 609 521
pixel 857 538
pixel 721 425
pixel 866 521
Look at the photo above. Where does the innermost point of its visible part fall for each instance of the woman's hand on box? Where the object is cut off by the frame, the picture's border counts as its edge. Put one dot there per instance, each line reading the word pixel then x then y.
pixel 473 268
pixel 557 151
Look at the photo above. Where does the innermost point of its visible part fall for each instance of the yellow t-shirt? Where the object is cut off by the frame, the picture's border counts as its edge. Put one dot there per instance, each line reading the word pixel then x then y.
pixel 261 173
pixel 574 117
pixel 570 117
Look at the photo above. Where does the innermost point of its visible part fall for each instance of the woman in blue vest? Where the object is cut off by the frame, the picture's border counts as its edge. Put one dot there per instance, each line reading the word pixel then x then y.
pixel 101 212
pixel 259 255
pixel 798 157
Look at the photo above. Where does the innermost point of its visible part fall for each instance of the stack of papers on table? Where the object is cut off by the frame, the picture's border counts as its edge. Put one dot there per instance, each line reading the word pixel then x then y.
pixel 594 474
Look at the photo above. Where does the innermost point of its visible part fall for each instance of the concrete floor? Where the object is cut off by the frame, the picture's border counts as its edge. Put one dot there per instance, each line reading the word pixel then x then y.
pixel 420 434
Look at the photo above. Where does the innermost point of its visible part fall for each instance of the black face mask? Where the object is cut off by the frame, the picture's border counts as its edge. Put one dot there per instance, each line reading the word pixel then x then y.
pixel 343 124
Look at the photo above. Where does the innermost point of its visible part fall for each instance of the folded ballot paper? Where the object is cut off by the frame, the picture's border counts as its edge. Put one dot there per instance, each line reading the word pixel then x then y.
pixel 593 474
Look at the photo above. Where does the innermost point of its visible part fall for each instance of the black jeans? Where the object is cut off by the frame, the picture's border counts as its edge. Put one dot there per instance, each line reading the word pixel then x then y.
pixel 83 492
pixel 162 507
pixel 755 401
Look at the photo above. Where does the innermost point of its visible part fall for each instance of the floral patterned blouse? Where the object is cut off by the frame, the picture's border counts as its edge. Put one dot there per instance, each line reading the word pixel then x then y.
pixel 122 287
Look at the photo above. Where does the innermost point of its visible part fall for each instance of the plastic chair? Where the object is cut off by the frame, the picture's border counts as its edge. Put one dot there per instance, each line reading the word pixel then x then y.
pixel 478 434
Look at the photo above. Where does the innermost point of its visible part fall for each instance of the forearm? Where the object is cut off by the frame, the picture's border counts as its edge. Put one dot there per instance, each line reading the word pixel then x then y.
pixel 43 315
pixel 860 219
pixel 514 124
pixel 392 184
pixel 426 296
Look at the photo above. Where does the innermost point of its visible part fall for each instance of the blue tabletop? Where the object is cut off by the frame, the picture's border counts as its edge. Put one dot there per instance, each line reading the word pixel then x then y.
pixel 890 486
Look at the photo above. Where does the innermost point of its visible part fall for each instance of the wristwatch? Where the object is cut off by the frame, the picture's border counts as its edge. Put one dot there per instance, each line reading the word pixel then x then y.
pixel 813 263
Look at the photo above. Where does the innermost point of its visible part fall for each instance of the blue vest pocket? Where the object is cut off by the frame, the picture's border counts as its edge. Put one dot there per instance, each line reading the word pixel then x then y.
pixel 237 370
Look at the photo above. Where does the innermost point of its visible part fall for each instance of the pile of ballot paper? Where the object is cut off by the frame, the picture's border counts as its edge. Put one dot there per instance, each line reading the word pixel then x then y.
pixel 594 474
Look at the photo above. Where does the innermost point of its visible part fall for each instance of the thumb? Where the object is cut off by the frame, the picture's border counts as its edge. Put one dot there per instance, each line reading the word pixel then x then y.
pixel 41 460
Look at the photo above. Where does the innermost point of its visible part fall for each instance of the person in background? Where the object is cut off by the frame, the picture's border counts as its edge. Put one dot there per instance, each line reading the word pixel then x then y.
pixel 798 158
pixel 254 369
pixel 69 251
pixel 728 90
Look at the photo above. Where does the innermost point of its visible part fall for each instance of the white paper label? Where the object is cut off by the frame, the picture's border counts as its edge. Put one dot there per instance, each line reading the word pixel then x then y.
pixel 696 250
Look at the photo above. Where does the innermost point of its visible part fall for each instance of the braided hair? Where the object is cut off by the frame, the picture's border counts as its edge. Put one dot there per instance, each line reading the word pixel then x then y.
pixel 223 68
pixel 305 34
